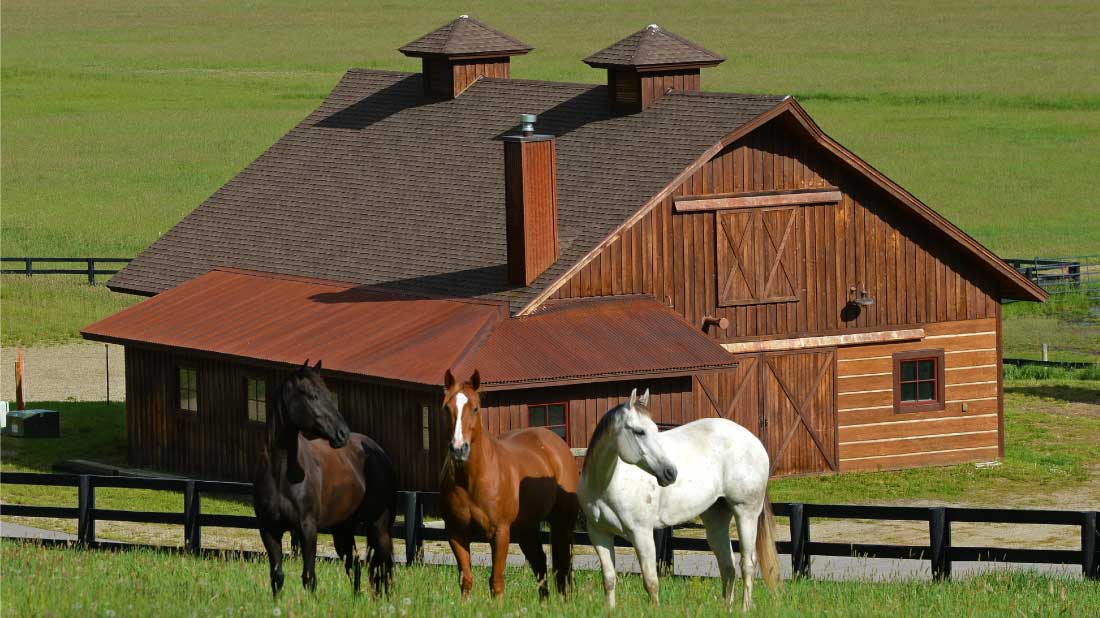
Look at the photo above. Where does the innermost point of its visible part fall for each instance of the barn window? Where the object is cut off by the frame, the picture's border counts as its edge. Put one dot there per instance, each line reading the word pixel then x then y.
pixel 758 256
pixel 188 393
pixel 257 399
pixel 918 381
pixel 553 416
pixel 425 428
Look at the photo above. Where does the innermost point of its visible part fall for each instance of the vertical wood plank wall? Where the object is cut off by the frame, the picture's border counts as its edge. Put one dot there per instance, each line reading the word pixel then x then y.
pixel 913 273
pixel 218 441
pixel 872 436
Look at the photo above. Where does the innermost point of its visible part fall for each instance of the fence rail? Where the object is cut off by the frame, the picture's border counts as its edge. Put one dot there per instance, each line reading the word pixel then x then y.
pixel 1061 275
pixel 940 551
pixel 89 266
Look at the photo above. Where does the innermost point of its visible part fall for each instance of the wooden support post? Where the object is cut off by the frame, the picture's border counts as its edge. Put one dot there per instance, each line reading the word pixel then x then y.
pixel 800 540
pixel 1046 353
pixel 192 509
pixel 91 271
pixel 1090 558
pixel 107 362
pixel 85 524
pixel 939 533
pixel 414 521
pixel 666 557
pixel 19 404
pixel 28 266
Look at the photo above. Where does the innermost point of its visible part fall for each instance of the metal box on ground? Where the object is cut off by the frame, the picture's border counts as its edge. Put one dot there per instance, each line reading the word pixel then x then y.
pixel 34 424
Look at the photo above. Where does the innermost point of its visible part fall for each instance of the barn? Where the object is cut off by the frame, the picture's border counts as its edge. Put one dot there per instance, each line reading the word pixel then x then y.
pixel 717 248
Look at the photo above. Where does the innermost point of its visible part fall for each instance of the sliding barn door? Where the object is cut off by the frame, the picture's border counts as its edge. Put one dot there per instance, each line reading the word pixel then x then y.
pixel 799 411
pixel 733 394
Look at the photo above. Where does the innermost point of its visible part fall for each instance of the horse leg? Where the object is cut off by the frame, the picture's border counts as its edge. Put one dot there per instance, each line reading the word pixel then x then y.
pixel 561 546
pixel 646 550
pixel 717 521
pixel 380 569
pixel 746 533
pixel 604 544
pixel 308 532
pixel 273 543
pixel 344 540
pixel 461 549
pixel 531 545
pixel 499 544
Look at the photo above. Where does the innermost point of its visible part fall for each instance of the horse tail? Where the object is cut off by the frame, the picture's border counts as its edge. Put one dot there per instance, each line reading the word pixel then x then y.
pixel 766 555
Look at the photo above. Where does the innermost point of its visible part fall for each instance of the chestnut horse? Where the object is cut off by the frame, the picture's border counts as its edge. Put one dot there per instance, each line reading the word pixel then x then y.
pixel 500 488
pixel 316 474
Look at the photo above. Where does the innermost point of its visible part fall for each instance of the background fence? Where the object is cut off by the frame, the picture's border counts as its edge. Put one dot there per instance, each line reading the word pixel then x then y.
pixel 87 266
pixel 940 551
pixel 1062 275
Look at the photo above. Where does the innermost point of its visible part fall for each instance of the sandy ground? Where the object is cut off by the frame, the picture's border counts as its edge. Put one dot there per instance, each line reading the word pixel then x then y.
pixel 70 372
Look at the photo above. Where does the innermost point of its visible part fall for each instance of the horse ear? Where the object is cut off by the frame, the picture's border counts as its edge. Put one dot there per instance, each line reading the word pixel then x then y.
pixel 645 398
pixel 305 364
pixel 633 397
pixel 475 379
pixel 317 367
pixel 448 380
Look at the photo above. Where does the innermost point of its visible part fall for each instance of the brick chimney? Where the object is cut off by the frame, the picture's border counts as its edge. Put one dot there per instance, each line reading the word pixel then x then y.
pixel 460 52
pixel 645 65
pixel 530 202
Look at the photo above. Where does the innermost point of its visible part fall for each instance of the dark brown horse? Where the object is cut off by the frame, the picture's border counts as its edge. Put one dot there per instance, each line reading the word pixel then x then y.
pixel 501 488
pixel 316 474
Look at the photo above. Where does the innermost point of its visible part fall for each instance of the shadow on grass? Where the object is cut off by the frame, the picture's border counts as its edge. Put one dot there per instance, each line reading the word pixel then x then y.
pixel 1075 394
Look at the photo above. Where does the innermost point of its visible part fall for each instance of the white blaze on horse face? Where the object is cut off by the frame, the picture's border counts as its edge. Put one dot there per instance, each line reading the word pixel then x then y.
pixel 460 404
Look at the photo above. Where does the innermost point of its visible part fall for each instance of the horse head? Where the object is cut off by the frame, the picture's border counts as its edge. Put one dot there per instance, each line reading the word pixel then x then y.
pixel 637 442
pixel 309 406
pixel 462 403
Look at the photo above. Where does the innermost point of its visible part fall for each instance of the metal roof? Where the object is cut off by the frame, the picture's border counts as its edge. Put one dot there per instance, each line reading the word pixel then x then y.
pixel 283 319
pixel 592 340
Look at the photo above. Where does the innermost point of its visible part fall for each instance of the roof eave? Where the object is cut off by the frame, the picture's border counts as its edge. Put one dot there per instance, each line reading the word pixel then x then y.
pixel 643 68
pixel 465 55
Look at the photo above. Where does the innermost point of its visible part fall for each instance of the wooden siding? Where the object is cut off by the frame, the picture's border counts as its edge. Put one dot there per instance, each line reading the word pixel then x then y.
pixel 447 78
pixel 910 269
pixel 632 91
pixel 873 436
pixel 218 442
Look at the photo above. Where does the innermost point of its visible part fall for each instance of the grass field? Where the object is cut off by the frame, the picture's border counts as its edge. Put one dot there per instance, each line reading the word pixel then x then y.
pixel 147 583
pixel 121 117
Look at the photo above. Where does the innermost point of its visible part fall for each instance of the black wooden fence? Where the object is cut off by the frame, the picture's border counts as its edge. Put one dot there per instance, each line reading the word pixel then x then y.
pixel 1061 275
pixel 939 551
pixel 87 266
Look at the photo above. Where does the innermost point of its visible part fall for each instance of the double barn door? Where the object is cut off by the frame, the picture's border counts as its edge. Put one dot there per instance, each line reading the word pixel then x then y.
pixel 787 399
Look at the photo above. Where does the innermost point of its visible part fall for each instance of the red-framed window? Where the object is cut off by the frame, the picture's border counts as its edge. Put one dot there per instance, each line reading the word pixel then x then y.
pixel 918 381
pixel 553 416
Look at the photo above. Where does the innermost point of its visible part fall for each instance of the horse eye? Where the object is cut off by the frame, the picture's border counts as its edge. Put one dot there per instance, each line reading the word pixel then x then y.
pixel 639 432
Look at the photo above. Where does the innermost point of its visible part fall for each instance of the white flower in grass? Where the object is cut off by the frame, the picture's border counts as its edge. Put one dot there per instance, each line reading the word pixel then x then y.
pixel 403 612
pixel 407 601
pixel 276 612
pixel 523 610
pixel 110 613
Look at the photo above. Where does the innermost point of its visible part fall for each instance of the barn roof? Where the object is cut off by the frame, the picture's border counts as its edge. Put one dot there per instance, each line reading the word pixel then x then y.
pixel 594 339
pixel 653 46
pixel 391 335
pixel 465 36
pixel 383 186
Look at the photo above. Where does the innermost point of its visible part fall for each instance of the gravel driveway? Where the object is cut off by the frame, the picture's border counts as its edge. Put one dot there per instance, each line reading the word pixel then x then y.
pixel 69 372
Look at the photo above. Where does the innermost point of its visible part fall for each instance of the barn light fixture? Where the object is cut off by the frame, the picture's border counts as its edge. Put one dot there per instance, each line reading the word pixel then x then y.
pixel 858 295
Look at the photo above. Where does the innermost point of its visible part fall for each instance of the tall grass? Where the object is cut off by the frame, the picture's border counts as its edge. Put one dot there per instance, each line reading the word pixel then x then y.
pixel 64 582
pixel 51 309
pixel 1037 372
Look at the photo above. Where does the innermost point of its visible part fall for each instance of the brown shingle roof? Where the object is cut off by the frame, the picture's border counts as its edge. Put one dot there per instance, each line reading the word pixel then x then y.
pixel 465 36
pixel 384 186
pixel 592 339
pixel 653 46
pixel 280 319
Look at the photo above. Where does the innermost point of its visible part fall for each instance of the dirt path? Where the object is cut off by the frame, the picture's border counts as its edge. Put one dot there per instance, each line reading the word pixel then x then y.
pixel 70 372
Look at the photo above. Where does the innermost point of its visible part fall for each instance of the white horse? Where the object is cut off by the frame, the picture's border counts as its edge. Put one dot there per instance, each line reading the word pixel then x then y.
pixel 635 480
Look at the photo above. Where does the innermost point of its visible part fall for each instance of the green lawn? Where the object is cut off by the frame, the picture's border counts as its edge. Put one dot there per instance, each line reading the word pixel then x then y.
pixel 147 583
pixel 119 118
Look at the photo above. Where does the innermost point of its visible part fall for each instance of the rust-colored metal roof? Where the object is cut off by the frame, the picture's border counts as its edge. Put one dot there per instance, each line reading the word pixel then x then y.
pixel 284 319
pixel 653 46
pixel 593 339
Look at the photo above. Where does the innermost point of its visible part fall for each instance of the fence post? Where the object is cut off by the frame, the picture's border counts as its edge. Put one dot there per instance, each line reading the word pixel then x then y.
pixel 800 539
pixel 662 542
pixel 192 508
pixel 1090 562
pixel 85 521
pixel 414 520
pixel 91 271
pixel 28 266
pixel 939 533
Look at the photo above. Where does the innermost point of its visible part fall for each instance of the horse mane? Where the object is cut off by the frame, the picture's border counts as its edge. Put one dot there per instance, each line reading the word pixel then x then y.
pixel 607 420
